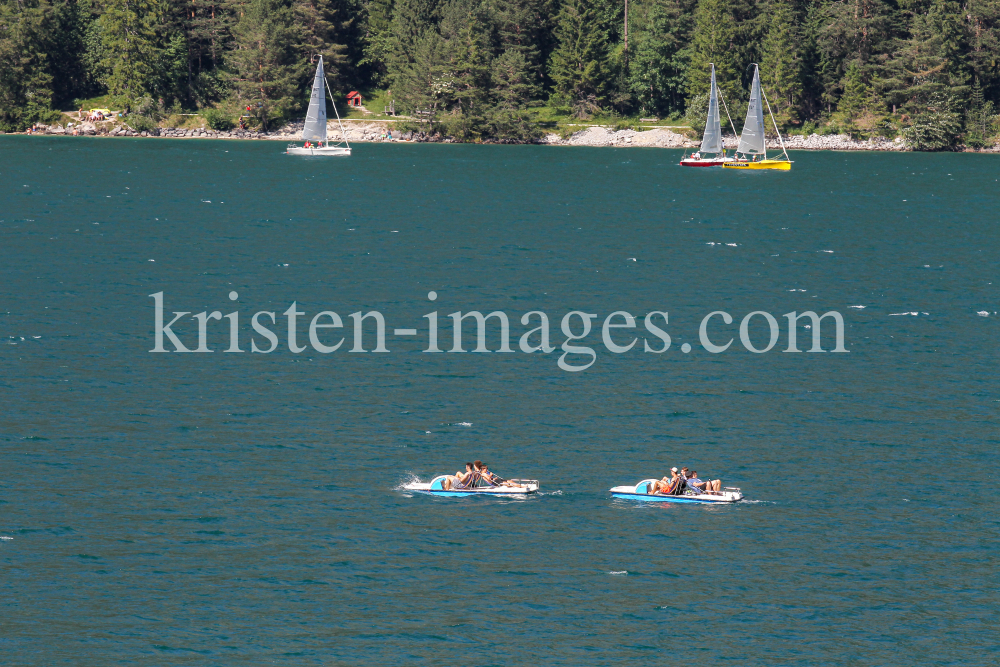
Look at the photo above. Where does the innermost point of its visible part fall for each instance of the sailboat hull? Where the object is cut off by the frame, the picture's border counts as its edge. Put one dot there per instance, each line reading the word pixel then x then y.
pixel 782 165
pixel 705 162
pixel 325 151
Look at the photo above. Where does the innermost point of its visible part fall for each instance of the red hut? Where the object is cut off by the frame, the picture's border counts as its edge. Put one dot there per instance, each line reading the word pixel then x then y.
pixel 354 99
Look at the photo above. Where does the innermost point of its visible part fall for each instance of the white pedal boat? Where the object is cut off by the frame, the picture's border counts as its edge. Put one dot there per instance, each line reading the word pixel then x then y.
pixel 729 494
pixel 436 488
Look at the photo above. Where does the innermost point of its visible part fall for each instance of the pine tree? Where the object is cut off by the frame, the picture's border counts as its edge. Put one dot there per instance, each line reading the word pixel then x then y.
pixel 578 66
pixel 979 122
pixel 859 32
pixel 513 86
pixel 856 91
pixel 378 39
pixel 264 61
pixel 723 35
pixel 526 26
pixel 781 61
pixel 658 60
pixel 25 81
pixel 983 29
pixel 129 36
pixel 319 28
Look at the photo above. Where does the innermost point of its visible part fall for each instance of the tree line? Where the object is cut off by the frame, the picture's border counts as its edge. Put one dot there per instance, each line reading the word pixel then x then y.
pixel 498 69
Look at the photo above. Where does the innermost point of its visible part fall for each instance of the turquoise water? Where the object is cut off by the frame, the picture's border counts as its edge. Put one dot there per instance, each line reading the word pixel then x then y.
pixel 224 509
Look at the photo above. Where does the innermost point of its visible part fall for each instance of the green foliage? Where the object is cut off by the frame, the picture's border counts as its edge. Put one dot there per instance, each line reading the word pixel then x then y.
pixel 723 35
pixel 980 120
pixel 697 113
pixel 262 81
pixel 658 66
pixel 217 119
pixel 781 61
pixel 579 67
pixel 936 128
pixel 480 69
pixel 128 37
pixel 25 82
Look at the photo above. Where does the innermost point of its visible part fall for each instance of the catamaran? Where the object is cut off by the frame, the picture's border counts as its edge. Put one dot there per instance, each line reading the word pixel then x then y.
pixel 752 148
pixel 711 141
pixel 314 130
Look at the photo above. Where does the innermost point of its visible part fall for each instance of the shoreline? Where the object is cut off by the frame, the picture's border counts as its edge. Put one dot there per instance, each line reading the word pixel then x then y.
pixel 594 136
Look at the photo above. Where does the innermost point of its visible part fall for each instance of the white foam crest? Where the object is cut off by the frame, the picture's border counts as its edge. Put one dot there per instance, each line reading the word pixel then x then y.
pixel 618 573
pixel 463 424
pixel 913 314
pixel 983 313
pixel 858 307
pixel 4 537
pixel 409 479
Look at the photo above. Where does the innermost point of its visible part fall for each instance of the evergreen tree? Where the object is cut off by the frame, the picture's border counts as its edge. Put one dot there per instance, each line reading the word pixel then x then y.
pixel 579 66
pixel 526 26
pixel 983 29
pixel 660 31
pixel 513 87
pixel 264 61
pixel 129 36
pixel 724 35
pixel 319 28
pixel 859 32
pixel 980 121
pixel 781 62
pixel 378 39
pixel 25 82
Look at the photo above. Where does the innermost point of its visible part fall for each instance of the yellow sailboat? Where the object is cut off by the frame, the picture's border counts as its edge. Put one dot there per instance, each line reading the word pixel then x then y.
pixel 752 152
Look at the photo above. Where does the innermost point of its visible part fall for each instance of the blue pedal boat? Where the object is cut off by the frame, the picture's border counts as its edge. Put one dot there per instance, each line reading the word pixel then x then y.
pixel 521 488
pixel 640 491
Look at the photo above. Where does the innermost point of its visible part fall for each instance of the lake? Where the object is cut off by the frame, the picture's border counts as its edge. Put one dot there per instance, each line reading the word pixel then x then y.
pixel 247 508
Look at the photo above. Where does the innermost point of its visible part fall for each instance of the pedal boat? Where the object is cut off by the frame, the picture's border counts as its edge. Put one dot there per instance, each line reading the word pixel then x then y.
pixel 729 494
pixel 436 488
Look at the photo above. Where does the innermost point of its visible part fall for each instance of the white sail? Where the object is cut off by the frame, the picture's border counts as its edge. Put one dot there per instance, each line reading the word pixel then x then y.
pixel 711 141
pixel 315 127
pixel 752 138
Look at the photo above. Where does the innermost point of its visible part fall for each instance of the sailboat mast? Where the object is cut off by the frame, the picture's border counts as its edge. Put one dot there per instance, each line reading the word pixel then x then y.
pixel 731 123
pixel 778 132
pixel 330 93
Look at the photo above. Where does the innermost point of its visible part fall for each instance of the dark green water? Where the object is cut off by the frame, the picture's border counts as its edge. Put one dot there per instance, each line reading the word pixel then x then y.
pixel 220 509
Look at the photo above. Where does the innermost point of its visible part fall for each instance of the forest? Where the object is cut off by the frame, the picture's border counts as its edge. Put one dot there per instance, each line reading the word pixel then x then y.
pixel 505 70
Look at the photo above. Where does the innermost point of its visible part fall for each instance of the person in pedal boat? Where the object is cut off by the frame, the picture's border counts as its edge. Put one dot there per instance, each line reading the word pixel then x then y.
pixel 461 480
pixel 490 478
pixel 700 486
pixel 669 486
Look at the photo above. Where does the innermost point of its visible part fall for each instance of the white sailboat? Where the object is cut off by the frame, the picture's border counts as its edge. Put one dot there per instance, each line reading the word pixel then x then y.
pixel 314 130
pixel 752 147
pixel 711 141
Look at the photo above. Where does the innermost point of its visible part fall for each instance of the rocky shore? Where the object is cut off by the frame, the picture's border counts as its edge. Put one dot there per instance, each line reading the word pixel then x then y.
pixel 595 136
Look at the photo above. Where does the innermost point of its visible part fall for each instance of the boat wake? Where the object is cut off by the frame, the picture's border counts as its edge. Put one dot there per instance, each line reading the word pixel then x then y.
pixel 409 479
